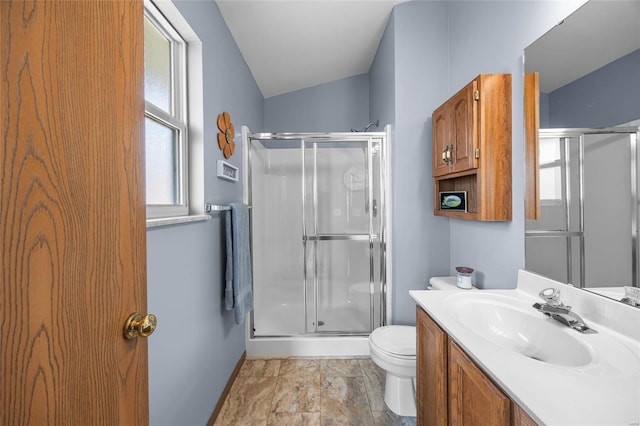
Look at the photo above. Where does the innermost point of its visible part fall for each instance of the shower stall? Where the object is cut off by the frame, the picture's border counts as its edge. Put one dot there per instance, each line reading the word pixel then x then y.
pixel 318 232
pixel 588 231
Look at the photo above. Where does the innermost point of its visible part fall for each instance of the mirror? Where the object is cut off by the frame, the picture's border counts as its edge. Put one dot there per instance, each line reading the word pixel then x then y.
pixel 586 163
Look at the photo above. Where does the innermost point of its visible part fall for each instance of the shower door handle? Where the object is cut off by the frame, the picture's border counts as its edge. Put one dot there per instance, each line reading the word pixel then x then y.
pixel 375 207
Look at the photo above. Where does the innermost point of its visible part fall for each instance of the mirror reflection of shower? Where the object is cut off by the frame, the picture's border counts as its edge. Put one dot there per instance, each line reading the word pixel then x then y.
pixel 318 233
pixel 587 234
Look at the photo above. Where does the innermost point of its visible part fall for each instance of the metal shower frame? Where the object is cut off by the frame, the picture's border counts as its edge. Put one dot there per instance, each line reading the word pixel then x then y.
pixel 372 237
pixel 579 133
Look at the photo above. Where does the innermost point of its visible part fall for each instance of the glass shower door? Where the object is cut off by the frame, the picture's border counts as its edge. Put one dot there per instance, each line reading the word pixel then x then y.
pixel 276 199
pixel 342 235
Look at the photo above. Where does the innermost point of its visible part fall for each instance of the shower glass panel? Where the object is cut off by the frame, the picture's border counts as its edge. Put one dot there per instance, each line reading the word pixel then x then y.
pixel 587 232
pixel 276 232
pixel 608 207
pixel 556 257
pixel 317 233
pixel 341 289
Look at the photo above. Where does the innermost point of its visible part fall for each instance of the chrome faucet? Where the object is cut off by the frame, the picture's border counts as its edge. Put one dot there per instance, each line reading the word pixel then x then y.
pixel 560 312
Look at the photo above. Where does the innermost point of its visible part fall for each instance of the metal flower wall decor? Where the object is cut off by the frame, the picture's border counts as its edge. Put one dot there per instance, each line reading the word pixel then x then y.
pixel 226 135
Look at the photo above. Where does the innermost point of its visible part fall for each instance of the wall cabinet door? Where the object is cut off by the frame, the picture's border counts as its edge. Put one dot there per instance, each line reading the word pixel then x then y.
pixel 463 129
pixel 454 134
pixel 473 398
pixel 432 371
pixel 440 125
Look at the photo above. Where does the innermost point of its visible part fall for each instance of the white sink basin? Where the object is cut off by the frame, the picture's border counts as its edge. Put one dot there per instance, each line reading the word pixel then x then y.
pixel 514 325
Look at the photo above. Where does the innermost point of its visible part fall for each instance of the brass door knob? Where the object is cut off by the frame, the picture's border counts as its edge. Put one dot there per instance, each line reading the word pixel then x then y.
pixel 139 325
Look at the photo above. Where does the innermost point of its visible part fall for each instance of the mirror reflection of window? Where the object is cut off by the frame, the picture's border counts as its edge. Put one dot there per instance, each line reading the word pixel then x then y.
pixel 550 170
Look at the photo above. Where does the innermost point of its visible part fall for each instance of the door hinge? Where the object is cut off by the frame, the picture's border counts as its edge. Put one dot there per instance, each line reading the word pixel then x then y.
pixel 477 152
pixel 476 95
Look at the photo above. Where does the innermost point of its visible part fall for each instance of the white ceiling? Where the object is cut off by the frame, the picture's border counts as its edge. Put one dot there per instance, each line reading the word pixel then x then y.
pixel 591 37
pixel 295 44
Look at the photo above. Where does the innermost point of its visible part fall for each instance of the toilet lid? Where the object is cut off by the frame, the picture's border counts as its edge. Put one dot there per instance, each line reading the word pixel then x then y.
pixel 395 339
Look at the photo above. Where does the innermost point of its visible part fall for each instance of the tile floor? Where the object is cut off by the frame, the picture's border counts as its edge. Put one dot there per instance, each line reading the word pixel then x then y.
pixel 309 392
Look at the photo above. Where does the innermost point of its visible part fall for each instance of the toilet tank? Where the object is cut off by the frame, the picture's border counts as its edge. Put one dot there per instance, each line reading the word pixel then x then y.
pixel 444 283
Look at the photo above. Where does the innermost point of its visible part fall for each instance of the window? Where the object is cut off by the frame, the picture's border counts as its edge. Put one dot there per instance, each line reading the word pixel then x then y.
pixel 552 171
pixel 166 125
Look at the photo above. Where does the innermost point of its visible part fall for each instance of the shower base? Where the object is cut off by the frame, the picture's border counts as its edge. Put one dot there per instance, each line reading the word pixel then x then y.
pixel 276 320
pixel 320 346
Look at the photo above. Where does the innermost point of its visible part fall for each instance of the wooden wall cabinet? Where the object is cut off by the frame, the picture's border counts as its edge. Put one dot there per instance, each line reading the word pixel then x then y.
pixel 531 140
pixel 452 389
pixel 471 136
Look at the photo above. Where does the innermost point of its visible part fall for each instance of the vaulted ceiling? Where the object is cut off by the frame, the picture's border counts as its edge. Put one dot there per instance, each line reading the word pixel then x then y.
pixel 295 44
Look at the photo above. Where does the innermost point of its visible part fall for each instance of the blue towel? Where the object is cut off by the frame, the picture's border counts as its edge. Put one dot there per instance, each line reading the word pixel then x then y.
pixel 238 294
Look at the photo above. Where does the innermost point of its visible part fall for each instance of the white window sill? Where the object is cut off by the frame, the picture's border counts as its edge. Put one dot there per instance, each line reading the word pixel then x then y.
pixel 168 221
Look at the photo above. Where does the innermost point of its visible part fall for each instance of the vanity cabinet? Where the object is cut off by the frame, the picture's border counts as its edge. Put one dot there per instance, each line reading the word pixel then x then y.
pixel 452 389
pixel 473 398
pixel 431 363
pixel 471 143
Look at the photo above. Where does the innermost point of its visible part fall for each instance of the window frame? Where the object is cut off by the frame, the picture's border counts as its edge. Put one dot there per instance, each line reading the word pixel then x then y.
pixel 177 118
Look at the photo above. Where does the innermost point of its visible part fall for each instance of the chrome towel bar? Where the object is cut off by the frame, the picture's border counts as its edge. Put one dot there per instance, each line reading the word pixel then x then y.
pixel 212 208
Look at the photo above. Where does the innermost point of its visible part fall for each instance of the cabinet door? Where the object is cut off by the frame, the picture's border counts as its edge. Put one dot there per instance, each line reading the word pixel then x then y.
pixel 440 135
pixel 431 361
pixel 520 417
pixel 463 130
pixel 473 398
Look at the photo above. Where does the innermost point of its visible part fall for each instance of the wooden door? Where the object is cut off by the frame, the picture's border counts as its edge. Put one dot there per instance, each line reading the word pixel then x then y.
pixel 463 130
pixel 72 213
pixel 440 140
pixel 473 398
pixel 431 398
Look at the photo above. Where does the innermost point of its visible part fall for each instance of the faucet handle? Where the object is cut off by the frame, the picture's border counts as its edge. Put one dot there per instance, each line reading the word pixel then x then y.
pixel 551 296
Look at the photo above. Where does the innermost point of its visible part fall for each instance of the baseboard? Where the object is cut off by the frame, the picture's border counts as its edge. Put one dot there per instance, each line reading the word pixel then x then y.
pixel 226 390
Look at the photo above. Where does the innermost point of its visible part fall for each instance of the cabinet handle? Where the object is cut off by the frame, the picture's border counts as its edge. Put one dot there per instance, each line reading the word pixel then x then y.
pixel 444 156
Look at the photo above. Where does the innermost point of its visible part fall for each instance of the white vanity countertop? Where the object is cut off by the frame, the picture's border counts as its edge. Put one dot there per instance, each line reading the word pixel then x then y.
pixel 603 392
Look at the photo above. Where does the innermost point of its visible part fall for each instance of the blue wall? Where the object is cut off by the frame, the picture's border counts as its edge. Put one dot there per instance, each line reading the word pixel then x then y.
pixel 420 239
pixel 606 97
pixel 338 106
pixel 197 344
pixel 382 78
pixel 428 51
pixel 490 37
pixel 544 110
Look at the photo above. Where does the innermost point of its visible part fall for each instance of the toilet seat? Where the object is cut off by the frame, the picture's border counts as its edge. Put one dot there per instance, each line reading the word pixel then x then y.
pixel 393 349
pixel 398 341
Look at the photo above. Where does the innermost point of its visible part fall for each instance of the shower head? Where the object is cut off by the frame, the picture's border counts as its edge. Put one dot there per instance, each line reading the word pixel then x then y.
pixel 377 123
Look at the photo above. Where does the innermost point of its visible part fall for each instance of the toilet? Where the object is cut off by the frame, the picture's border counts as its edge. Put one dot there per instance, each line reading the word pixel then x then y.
pixel 393 348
